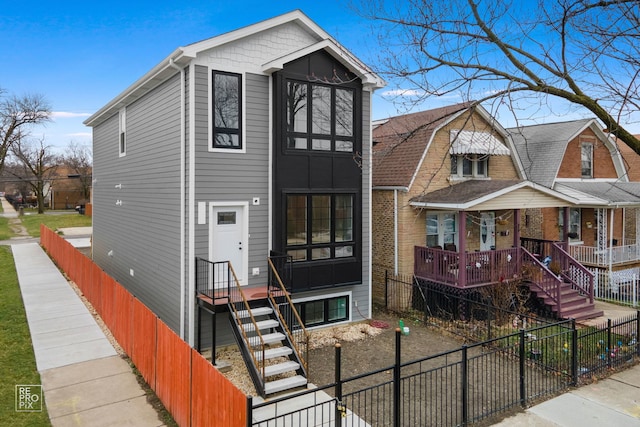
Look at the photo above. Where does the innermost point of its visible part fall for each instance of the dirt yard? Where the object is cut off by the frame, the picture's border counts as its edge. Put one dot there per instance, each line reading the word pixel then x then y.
pixel 375 352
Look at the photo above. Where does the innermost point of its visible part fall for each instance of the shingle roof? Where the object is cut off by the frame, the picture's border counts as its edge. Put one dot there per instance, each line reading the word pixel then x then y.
pixel 631 160
pixel 541 148
pixel 464 192
pixel 400 143
pixel 615 193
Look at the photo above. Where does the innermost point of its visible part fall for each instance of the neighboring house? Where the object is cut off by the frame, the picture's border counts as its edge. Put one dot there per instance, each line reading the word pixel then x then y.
pixel 448 192
pixel 579 159
pixel 242 150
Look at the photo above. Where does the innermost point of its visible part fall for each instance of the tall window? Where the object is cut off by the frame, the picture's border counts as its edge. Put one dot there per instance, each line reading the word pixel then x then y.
pixel 470 165
pixel 320 226
pixel 122 143
pixel 586 156
pixel 575 221
pixel 227 117
pixel 319 117
pixel 442 229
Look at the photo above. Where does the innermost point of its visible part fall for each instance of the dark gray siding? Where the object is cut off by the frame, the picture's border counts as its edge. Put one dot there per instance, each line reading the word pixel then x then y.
pixel 232 176
pixel 144 232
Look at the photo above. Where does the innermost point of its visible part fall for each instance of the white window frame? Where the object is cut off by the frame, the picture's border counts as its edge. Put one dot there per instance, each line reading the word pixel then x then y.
pixel 484 158
pixel 586 146
pixel 441 228
pixel 122 132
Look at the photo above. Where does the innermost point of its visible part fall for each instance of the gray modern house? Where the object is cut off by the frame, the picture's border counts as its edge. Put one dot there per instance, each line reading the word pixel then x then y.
pixel 236 163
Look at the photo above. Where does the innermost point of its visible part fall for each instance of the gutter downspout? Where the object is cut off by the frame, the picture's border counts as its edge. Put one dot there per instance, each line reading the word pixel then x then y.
pixel 395 232
pixel 183 292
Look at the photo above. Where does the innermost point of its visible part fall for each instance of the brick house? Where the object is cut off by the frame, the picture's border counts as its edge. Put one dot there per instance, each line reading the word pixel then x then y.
pixel 579 159
pixel 448 192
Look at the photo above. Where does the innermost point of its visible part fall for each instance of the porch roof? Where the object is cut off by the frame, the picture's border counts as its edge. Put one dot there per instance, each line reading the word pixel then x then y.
pixel 492 195
pixel 602 193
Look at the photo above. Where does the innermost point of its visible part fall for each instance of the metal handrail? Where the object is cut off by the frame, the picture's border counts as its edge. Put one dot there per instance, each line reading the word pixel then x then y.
pixel 260 365
pixel 294 342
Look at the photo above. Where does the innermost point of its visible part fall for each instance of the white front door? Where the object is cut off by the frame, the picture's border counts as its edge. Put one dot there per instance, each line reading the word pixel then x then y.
pixel 487 231
pixel 229 239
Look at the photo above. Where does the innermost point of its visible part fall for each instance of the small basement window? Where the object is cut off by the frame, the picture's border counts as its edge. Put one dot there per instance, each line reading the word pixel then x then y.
pixel 324 311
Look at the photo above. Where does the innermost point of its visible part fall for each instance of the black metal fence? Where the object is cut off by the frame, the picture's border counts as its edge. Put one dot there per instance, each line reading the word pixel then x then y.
pixel 510 365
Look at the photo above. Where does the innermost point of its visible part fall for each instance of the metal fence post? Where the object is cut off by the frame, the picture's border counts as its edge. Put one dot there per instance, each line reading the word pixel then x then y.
pixel 386 289
pixel 609 346
pixel 249 411
pixel 638 332
pixel 338 379
pixel 523 388
pixel 574 353
pixel 396 382
pixel 465 386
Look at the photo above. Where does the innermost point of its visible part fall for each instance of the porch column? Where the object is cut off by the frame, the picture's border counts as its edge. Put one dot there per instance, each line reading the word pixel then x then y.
pixel 462 248
pixel 516 228
pixel 565 229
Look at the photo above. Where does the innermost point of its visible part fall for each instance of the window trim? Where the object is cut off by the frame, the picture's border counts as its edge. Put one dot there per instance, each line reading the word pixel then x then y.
pixel 586 144
pixel 326 298
pixel 459 161
pixel 241 113
pixel 441 217
pixel 122 132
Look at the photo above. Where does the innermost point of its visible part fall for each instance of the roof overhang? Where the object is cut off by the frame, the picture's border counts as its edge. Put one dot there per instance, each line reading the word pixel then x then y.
pixel 368 77
pixel 511 197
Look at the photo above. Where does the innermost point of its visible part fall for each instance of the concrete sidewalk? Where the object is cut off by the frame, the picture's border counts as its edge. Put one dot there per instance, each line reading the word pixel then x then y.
pixel 85 382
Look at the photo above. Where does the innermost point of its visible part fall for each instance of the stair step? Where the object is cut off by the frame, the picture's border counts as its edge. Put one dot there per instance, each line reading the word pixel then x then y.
pixel 284 384
pixel 272 353
pixel 281 368
pixel 262 325
pixel 273 338
pixel 258 311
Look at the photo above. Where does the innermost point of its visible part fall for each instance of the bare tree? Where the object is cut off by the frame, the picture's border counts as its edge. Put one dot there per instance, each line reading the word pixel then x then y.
pixel 16 115
pixel 585 52
pixel 78 159
pixel 35 165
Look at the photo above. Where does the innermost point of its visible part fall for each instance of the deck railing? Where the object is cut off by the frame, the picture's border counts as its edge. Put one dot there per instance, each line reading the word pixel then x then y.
pixel 603 257
pixel 480 268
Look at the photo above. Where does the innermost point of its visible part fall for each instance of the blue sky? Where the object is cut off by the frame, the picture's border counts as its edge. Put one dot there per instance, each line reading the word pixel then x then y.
pixel 80 55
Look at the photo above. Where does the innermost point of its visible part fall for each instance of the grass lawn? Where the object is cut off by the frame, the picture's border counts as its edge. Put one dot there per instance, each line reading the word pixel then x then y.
pixel 5 232
pixel 17 361
pixel 54 222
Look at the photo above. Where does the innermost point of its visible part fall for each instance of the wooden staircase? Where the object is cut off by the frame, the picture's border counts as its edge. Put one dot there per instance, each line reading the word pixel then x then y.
pixel 267 348
pixel 574 304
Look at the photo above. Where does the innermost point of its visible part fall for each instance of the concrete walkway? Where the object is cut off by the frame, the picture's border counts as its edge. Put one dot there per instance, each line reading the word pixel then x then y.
pixel 84 381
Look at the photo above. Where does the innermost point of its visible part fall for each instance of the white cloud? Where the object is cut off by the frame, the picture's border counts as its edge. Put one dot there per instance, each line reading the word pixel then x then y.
pixel 403 92
pixel 68 114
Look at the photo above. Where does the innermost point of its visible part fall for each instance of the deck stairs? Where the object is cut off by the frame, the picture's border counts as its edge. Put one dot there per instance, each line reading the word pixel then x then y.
pixel 267 348
pixel 574 304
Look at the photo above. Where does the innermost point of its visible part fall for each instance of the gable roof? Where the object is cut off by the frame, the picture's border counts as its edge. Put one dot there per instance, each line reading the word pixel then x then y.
pixel 400 143
pixel 631 160
pixel 541 148
pixel 598 193
pixel 182 56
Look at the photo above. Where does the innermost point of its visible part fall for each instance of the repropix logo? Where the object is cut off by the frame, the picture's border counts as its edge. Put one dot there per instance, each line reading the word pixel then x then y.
pixel 28 398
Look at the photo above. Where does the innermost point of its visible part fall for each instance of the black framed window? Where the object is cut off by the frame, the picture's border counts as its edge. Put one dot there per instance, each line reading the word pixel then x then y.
pixel 321 312
pixel 320 226
pixel 319 117
pixel 227 110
